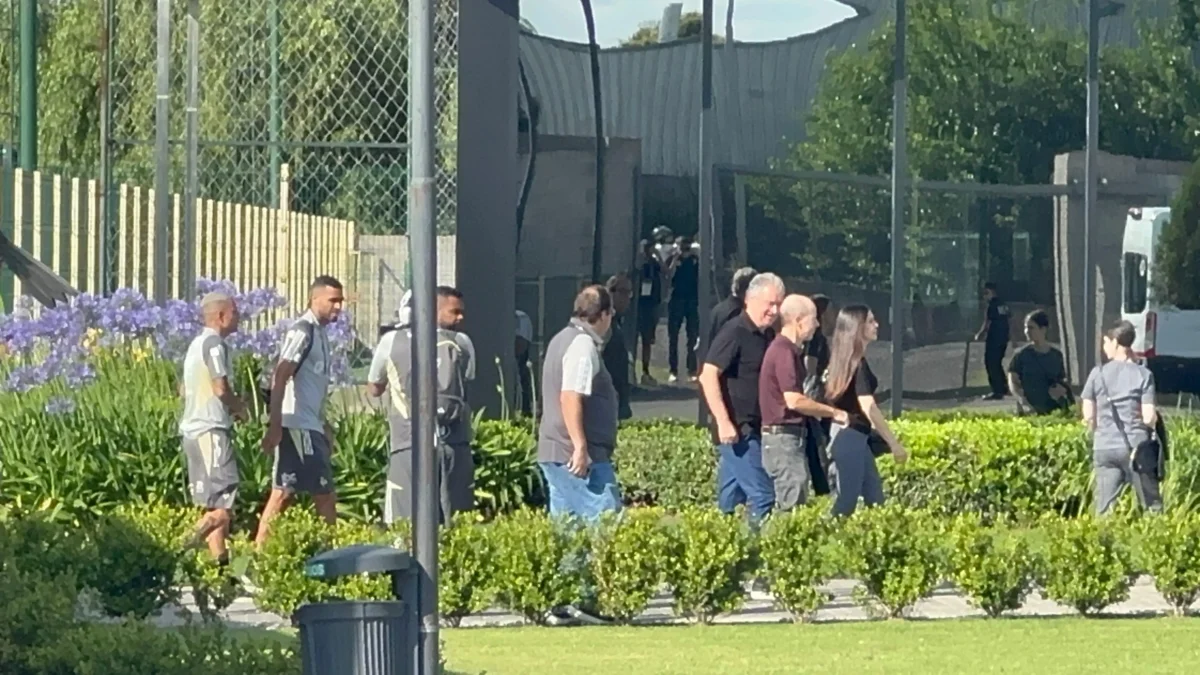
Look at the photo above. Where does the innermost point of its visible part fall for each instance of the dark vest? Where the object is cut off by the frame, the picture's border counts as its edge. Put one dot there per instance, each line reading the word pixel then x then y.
pixel 599 410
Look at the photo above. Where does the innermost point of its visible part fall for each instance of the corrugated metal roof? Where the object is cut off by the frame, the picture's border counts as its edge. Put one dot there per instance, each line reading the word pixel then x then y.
pixel 653 92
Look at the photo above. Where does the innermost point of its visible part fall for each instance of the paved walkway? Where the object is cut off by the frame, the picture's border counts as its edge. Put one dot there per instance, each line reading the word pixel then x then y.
pixel 945 603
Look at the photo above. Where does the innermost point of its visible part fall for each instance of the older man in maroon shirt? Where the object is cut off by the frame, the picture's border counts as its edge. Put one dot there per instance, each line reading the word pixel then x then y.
pixel 785 407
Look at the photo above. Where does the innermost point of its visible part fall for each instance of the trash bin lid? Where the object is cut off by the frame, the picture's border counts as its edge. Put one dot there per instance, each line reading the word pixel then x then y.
pixel 348 610
pixel 357 559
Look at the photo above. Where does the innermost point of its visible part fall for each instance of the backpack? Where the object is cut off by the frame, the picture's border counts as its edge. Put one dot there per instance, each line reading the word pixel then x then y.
pixel 267 377
pixel 451 380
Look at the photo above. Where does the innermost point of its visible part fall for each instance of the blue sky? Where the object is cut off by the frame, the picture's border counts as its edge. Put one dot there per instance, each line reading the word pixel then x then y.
pixel 754 20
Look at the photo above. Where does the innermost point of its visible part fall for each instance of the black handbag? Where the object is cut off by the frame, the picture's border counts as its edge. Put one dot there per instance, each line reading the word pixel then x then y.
pixel 1147 457
pixel 877 445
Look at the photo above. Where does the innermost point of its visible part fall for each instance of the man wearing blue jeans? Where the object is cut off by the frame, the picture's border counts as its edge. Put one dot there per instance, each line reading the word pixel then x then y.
pixel 579 413
pixel 579 422
pixel 729 382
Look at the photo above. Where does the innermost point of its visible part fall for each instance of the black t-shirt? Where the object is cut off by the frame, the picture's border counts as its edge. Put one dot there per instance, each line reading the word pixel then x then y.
pixel 863 383
pixel 685 282
pixel 818 348
pixel 737 353
pixel 616 360
pixel 650 286
pixel 722 313
pixel 997 316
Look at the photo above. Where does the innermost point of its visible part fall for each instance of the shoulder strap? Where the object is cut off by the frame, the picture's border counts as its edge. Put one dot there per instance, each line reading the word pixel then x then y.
pixel 1116 415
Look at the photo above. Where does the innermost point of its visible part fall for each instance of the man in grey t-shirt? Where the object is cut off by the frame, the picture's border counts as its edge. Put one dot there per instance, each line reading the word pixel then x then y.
pixel 391 365
pixel 298 436
pixel 209 406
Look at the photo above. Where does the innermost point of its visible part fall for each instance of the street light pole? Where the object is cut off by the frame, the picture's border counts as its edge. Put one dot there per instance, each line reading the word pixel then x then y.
pixel 899 185
pixel 1090 180
pixel 422 210
pixel 704 188
pixel 28 155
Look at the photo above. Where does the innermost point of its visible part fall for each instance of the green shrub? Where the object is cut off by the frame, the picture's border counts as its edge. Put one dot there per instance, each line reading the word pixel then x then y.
pixel 34 609
pixel 1088 563
pixel 798 555
pixel 896 553
pixel 534 573
pixel 628 561
pixel 506 471
pixel 296 536
pixel 1169 549
pixel 666 463
pixel 993 566
pixel 466 556
pixel 1176 277
pixel 134 574
pixel 709 560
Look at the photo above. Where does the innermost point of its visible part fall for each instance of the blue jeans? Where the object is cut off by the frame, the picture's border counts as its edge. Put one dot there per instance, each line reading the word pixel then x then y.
pixel 741 478
pixel 586 498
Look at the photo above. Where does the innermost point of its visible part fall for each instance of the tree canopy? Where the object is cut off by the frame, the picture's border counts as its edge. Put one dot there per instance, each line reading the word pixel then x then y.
pixel 990 100
pixel 1177 272
pixel 690 24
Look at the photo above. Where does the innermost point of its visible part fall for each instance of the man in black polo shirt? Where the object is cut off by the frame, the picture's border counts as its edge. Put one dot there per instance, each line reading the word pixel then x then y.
pixel 729 381
pixel 730 307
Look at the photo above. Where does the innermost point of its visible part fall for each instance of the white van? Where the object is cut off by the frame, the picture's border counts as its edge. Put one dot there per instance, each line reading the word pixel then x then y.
pixel 1167 338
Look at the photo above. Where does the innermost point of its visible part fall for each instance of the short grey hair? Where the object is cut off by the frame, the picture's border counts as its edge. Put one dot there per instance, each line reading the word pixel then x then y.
pixel 741 281
pixel 214 301
pixel 765 281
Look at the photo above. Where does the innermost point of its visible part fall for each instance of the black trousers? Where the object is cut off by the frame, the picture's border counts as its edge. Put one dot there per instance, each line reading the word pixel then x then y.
pixel 993 362
pixel 682 312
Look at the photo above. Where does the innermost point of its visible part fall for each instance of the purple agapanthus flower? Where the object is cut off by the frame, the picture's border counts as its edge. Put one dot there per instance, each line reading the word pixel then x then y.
pixel 58 343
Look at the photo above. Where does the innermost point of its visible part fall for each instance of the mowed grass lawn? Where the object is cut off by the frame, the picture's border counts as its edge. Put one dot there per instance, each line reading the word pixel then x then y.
pixel 1049 645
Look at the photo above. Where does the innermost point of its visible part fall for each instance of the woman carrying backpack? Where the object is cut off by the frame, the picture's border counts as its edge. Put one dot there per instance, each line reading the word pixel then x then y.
pixel 1118 407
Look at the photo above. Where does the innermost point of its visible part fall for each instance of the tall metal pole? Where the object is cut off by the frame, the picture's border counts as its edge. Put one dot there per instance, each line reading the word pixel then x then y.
pixel 28 86
pixel 1088 349
pixel 187 267
pixel 899 185
pixel 162 153
pixel 704 227
pixel 601 143
pixel 421 231
pixel 107 189
pixel 275 124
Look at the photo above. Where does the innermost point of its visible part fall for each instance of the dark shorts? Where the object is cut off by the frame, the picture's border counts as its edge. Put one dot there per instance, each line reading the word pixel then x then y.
pixel 303 463
pixel 456 491
pixel 647 320
pixel 212 469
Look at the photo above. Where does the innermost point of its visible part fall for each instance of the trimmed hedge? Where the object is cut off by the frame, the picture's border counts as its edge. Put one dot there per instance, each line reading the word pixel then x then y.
pixel 528 563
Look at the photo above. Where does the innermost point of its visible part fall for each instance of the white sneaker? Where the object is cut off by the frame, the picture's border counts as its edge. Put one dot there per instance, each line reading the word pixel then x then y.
pixel 757 590
pixel 673 378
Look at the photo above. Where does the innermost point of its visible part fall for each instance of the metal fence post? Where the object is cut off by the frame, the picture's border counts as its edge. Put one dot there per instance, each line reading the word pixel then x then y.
pixel 705 188
pixel 899 181
pixel 187 267
pixel 28 117
pixel 162 150
pixel 423 237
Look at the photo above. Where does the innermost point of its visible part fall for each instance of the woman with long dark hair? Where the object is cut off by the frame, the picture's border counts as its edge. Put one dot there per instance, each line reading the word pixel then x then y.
pixel 850 385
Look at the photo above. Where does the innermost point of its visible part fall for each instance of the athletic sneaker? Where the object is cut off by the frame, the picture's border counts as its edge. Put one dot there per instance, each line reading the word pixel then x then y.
pixel 648 381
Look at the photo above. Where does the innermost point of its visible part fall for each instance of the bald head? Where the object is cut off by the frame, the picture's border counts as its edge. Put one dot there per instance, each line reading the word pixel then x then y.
pixel 798 318
pixel 219 312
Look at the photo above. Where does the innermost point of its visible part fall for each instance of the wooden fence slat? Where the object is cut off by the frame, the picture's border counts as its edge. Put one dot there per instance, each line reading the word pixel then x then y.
pixel 56 223
pixel 36 217
pixel 151 241
pixel 18 223
pixel 123 233
pixel 211 213
pixel 228 263
pixel 94 238
pixel 177 247
pixel 75 246
pixel 138 252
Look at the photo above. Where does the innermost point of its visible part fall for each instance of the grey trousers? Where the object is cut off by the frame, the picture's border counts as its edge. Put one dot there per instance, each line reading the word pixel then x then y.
pixel 1114 471
pixel 855 473
pixel 785 460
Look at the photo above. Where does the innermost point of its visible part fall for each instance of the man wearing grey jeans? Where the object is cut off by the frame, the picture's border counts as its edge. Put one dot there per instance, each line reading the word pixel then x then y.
pixel 785 407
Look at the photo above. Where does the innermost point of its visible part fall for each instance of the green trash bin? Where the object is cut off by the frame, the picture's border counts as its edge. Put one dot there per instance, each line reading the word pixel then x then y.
pixel 357 637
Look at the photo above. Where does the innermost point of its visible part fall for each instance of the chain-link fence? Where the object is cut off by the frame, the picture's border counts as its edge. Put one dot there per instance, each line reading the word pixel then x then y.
pixel 831 234
pixel 317 85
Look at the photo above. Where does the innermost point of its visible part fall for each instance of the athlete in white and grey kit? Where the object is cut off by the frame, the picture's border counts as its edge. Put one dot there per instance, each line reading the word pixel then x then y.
pixel 298 435
pixel 209 407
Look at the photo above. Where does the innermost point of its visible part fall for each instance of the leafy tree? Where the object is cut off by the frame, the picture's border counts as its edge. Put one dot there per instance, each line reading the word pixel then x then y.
pixel 1177 272
pixel 690 25
pixel 990 101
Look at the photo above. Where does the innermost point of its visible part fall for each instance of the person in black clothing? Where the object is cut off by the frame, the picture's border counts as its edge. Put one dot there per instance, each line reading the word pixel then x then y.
pixel 1037 374
pixel 730 307
pixel 650 297
pixel 995 330
pixel 816 360
pixel 850 386
pixel 616 352
pixel 683 309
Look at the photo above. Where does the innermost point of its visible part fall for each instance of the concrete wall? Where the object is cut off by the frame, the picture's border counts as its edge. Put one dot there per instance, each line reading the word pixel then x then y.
pixel 1125 182
pixel 556 238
